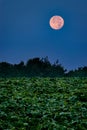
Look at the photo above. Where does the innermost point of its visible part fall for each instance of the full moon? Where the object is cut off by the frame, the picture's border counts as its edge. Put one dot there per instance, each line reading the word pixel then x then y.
pixel 56 22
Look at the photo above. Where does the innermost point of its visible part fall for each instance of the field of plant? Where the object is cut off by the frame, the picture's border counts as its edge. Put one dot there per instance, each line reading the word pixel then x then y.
pixel 43 104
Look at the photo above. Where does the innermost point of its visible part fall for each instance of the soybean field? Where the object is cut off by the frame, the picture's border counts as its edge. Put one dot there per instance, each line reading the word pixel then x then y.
pixel 43 103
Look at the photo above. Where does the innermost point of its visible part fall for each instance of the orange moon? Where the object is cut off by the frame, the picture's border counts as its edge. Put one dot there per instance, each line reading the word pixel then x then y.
pixel 56 22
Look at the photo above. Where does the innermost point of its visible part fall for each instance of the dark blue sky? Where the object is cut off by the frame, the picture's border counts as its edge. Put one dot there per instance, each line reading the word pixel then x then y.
pixel 25 32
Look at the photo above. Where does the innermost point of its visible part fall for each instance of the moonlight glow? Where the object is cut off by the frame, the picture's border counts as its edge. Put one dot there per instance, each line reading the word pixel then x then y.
pixel 56 22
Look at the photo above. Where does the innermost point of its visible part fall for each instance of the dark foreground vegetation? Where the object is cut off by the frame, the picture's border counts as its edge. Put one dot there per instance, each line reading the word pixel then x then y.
pixel 43 103
pixel 37 67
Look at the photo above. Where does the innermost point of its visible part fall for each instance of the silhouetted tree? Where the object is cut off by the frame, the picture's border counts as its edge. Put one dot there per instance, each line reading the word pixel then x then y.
pixel 39 67
pixel 5 69
pixel 19 69
pixel 80 72
pixel 33 67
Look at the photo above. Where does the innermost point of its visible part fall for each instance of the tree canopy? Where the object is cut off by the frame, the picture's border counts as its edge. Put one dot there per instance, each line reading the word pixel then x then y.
pixel 37 67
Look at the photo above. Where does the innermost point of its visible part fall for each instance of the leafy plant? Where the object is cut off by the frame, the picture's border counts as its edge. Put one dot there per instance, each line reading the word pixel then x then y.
pixel 43 103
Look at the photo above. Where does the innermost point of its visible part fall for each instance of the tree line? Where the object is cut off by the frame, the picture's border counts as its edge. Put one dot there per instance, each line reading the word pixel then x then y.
pixel 37 67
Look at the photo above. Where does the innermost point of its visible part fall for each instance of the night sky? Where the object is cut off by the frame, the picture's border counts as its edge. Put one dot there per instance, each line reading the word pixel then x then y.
pixel 25 32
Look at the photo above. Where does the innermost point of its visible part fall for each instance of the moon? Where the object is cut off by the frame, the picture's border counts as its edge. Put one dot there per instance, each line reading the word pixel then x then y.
pixel 56 22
